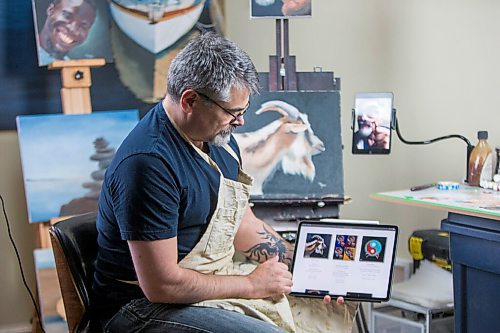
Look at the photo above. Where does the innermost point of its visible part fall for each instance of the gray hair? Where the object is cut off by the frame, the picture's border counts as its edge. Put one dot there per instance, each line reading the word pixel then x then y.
pixel 211 64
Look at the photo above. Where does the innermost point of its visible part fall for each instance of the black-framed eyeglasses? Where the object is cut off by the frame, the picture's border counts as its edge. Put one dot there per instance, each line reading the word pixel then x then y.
pixel 235 113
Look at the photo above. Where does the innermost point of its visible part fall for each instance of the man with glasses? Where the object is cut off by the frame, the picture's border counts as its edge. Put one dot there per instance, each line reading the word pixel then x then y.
pixel 236 114
pixel 174 209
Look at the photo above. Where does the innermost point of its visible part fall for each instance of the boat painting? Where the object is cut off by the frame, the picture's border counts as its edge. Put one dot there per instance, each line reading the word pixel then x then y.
pixel 156 24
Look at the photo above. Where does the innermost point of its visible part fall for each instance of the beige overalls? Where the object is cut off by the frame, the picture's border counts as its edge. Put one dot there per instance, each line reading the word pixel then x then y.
pixel 213 254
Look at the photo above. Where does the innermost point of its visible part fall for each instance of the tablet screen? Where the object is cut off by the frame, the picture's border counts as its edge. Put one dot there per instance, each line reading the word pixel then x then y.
pixel 350 260
pixel 372 121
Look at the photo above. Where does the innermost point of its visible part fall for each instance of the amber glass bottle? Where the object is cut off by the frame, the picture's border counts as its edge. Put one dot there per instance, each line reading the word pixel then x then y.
pixel 480 161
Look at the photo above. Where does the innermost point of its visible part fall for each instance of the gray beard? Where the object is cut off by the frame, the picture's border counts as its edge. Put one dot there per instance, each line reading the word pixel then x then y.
pixel 365 132
pixel 222 137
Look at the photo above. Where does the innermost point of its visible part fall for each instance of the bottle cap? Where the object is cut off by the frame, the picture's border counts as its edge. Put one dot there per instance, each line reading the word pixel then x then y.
pixel 482 135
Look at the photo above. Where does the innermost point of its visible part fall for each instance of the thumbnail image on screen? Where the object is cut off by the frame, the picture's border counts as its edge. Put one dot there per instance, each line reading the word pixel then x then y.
pixel 373 249
pixel 317 245
pixel 345 247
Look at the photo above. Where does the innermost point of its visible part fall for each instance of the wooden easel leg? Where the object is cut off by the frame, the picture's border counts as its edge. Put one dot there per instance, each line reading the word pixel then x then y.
pixel 35 323
pixel 36 326
pixel 76 100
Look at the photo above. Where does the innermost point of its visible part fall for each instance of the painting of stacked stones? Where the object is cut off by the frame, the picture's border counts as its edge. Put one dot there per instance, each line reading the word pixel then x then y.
pixel 65 157
pixel 103 156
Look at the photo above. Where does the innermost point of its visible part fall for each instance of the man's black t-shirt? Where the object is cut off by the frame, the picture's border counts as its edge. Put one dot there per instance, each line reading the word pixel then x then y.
pixel 156 187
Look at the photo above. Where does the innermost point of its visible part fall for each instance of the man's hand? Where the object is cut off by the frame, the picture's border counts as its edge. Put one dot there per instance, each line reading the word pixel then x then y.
pixel 270 279
pixel 327 299
pixel 379 137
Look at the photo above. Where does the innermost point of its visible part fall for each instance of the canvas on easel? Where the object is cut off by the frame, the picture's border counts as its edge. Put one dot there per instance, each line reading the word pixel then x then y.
pixel 57 151
pixel 280 8
pixel 300 183
pixel 64 158
pixel 291 145
pixel 71 29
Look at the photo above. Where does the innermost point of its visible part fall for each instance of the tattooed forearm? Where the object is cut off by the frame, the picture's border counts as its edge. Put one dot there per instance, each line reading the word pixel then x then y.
pixel 272 245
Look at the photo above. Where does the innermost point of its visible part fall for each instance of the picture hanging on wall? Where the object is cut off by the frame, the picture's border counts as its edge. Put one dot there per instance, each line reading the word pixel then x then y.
pixel 64 158
pixel 291 145
pixel 280 8
pixel 149 34
pixel 71 29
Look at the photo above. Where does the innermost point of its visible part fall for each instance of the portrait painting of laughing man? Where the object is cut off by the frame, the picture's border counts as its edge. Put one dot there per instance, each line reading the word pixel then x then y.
pixel 71 29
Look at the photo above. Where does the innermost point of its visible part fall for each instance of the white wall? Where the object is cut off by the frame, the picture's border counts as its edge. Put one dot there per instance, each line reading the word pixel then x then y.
pixel 15 303
pixel 439 57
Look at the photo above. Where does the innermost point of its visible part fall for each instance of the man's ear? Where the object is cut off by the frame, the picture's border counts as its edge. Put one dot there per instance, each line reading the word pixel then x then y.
pixel 188 99
pixel 50 9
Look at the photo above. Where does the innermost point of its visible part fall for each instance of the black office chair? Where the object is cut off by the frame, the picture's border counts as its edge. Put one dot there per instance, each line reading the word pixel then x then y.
pixel 74 242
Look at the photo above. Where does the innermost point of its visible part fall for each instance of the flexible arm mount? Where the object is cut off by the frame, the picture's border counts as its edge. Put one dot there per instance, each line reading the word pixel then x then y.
pixel 426 142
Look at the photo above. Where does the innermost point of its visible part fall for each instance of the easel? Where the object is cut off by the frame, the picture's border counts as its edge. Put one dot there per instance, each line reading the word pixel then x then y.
pixel 75 97
pixel 76 82
pixel 283 76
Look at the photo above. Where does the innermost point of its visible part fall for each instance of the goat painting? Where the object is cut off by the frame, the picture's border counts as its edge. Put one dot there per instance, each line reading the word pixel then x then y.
pixel 281 149
pixel 288 141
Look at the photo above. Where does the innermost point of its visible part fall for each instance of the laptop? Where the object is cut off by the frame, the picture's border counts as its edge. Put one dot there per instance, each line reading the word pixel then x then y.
pixel 352 260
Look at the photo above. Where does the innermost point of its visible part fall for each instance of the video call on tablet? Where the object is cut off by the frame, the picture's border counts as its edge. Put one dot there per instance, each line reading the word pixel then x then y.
pixel 355 261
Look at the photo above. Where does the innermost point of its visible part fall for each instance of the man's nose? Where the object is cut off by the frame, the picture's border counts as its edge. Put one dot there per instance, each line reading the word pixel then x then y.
pixel 239 121
pixel 75 27
pixel 72 26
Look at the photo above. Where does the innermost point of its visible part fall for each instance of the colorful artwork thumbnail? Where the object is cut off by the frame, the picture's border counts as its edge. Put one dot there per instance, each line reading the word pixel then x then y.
pixel 373 249
pixel 345 247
